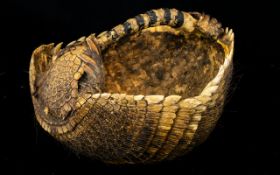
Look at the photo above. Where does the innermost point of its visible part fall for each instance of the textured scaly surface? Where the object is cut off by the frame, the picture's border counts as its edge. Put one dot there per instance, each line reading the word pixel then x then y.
pixel 67 92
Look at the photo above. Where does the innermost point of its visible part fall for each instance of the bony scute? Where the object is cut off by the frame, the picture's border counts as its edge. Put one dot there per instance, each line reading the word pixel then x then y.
pixel 147 90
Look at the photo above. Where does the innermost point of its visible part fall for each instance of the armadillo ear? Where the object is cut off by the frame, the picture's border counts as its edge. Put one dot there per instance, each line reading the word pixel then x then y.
pixel 55 51
pixel 92 43
pixel 40 63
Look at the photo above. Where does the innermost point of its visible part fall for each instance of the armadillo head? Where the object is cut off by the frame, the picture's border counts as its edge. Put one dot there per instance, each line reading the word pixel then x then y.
pixel 58 77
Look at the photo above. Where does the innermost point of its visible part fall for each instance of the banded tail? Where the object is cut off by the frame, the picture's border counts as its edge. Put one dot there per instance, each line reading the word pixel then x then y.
pixel 171 17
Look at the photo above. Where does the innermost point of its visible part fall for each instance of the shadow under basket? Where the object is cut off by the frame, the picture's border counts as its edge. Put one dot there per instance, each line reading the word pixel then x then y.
pixel 148 90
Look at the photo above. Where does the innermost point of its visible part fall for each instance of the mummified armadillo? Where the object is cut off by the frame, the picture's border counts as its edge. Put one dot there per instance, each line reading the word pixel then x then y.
pixel 148 90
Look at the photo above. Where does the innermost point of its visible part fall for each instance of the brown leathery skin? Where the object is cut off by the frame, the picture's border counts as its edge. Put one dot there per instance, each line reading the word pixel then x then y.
pixel 114 98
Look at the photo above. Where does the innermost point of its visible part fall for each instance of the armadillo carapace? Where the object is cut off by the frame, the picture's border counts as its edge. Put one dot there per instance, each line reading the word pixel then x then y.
pixel 147 90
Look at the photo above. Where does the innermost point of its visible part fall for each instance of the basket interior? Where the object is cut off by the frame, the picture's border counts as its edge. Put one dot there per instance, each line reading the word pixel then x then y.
pixel 161 61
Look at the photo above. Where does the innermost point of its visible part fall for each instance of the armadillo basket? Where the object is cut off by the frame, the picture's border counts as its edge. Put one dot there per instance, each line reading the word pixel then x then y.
pixel 148 90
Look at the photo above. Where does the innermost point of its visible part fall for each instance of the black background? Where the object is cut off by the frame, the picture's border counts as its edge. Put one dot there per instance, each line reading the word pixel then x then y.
pixel 245 140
